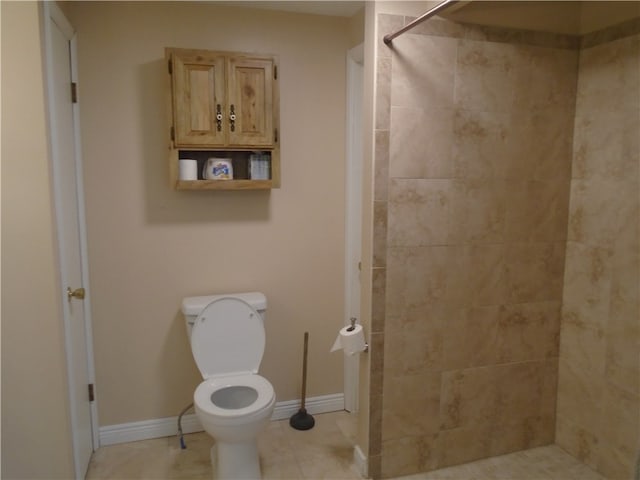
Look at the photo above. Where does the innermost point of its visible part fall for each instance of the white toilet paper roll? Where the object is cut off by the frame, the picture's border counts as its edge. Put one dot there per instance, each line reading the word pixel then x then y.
pixel 351 342
pixel 188 169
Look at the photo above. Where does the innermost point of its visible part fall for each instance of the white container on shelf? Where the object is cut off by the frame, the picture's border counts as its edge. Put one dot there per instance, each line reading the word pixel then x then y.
pixel 218 169
pixel 260 166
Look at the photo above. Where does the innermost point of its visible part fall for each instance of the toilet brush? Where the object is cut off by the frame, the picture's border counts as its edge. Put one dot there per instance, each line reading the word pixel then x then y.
pixel 302 420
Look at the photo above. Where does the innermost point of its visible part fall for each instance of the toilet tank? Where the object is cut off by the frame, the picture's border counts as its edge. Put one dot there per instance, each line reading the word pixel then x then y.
pixel 192 306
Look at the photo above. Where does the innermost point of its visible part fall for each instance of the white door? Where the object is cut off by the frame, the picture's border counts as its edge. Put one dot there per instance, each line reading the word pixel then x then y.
pixel 355 76
pixel 68 199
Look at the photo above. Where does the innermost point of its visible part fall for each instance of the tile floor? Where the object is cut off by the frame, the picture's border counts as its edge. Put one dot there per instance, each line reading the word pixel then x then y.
pixel 324 452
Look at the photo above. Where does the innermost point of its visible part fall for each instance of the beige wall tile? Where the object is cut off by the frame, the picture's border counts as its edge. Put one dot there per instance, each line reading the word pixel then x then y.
pixel 387 24
pixel 540 143
pixel 583 346
pixel 477 212
pixel 471 337
pixel 534 271
pixel 548 399
pixel 610 65
pixel 485 273
pixel 615 463
pixel 418 212
pixel 414 342
pixel 419 83
pixel 404 396
pixel 577 441
pixel 419 277
pixel 528 331
pixel 383 93
pixel 599 371
pixel 375 466
pixel 379 234
pixel 622 365
pixel 421 141
pixel 519 390
pixel 587 279
pixel 482 146
pixel 486 76
pixel 537 210
pixel 438 26
pixel 409 455
pixel 375 425
pixel 545 77
pixel 599 209
pixel 461 445
pixel 468 397
pixel 522 434
pixel 378 307
pixel 381 175
pixel 621 430
pixel 606 145
pixel 376 349
pixel 579 396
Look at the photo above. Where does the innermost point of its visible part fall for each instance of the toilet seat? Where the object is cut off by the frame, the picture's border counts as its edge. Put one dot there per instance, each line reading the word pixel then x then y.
pixel 228 338
pixel 204 392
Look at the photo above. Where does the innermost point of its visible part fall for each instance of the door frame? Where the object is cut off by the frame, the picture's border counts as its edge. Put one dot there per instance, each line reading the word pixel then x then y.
pixel 52 14
pixel 353 213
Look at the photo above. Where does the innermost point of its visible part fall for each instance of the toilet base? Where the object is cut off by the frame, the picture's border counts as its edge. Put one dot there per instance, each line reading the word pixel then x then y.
pixel 236 461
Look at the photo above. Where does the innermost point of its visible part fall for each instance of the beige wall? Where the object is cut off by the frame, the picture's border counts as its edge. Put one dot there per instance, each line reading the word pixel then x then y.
pixel 356 28
pixel 36 440
pixel 599 373
pixel 150 246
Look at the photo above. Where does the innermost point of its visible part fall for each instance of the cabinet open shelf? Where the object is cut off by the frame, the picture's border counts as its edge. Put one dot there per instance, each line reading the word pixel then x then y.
pixel 241 173
pixel 224 185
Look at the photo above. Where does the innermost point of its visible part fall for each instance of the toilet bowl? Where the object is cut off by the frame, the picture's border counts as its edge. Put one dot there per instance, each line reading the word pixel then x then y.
pixel 233 403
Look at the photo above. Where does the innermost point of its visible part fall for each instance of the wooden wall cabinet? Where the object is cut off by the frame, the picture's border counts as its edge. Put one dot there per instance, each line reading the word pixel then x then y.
pixel 223 104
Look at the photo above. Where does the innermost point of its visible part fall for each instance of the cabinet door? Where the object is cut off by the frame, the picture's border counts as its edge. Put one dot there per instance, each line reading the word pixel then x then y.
pixel 198 97
pixel 251 94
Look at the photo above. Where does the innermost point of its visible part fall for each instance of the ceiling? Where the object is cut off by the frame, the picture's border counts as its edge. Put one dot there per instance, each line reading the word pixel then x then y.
pixel 331 8
pixel 568 17
pixel 560 16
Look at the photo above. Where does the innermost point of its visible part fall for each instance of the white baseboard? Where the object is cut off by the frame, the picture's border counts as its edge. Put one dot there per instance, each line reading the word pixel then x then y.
pixel 320 404
pixel 166 427
pixel 360 462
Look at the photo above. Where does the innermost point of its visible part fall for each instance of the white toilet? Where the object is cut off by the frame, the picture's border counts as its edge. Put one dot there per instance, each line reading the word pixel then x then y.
pixel 233 403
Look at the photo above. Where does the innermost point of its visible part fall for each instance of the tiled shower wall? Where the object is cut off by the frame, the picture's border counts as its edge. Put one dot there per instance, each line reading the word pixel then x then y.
pixel 598 416
pixel 474 131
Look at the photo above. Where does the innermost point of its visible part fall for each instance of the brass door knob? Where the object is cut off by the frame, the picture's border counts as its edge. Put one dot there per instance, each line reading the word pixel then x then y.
pixel 77 293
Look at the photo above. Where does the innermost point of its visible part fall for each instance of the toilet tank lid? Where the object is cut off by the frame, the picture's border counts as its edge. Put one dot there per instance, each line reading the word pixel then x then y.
pixel 194 305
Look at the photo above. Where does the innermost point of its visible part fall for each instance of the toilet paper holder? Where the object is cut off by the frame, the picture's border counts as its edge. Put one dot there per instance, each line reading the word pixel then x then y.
pixel 353 321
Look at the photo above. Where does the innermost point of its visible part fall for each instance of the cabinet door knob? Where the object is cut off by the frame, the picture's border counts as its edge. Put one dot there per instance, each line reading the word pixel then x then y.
pixel 219 117
pixel 232 118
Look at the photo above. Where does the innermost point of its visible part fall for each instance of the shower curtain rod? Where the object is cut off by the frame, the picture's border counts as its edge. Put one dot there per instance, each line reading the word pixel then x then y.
pixel 435 10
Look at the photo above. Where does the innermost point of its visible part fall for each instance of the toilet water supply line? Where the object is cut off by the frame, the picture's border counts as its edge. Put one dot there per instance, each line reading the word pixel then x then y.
pixel 180 435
